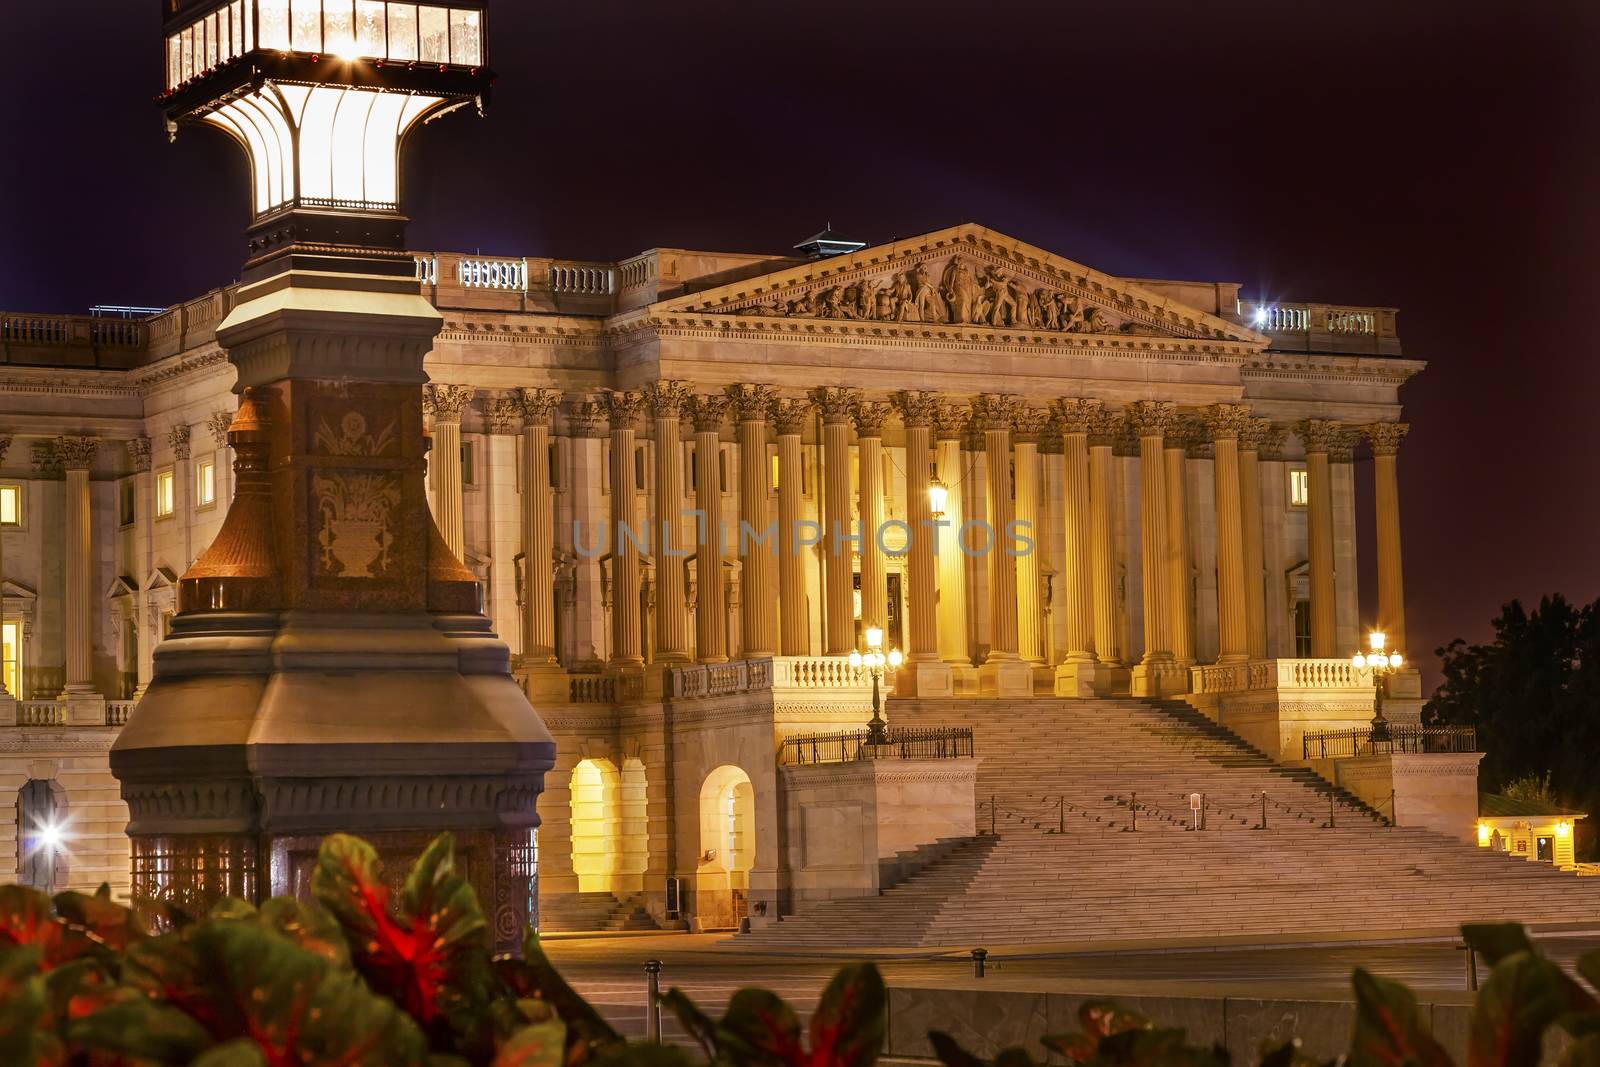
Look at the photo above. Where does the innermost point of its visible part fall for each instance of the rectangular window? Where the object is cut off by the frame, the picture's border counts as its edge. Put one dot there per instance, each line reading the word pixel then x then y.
pixel 174 61
pixel 236 27
pixel 773 478
pixel 433 26
pixel 555 467
pixel 306 31
pixel 125 502
pixel 1299 488
pixel 402 31
pixel 1302 629
pixel 10 505
pixel 722 471
pixel 213 41
pixel 274 16
pixel 166 498
pixel 638 467
pixel 370 28
pixel 469 463
pixel 466 37
pixel 205 483
pixel 11 646
pixel 338 31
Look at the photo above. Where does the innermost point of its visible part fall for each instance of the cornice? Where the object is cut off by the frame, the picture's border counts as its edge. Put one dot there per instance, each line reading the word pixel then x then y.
pixel 88 385
pixel 1363 370
pixel 149 379
pixel 585 333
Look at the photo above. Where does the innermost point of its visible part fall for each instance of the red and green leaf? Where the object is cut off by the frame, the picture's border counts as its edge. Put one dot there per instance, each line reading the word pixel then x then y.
pixel 847 1027
pixel 540 1044
pixel 696 1023
pixel 102 918
pixel 26 1038
pixel 949 1051
pixel 1390 1029
pixel 27 920
pixel 1495 941
pixel 1074 1048
pixel 760 1030
pixel 1524 995
pixel 1589 967
pixel 534 977
pixel 1101 1019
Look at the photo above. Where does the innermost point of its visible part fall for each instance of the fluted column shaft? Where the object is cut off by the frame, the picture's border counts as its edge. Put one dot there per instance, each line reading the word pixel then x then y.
pixel 1319 536
pixel 1233 633
pixel 840 630
pixel 758 616
pixel 711 634
pixel 1078 566
pixel 1386 438
pixel 5 445
pixel 953 646
pixel 672 617
pixel 1002 563
pixel 444 405
pixel 1255 582
pixel 924 589
pixel 874 575
pixel 538 531
pixel 1030 573
pixel 1103 545
pixel 1175 457
pixel 793 634
pixel 626 637
pixel 77 453
pixel 1150 422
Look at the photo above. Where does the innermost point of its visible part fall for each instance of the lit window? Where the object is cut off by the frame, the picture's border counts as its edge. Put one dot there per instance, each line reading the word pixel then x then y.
pixel 166 499
pixel 466 37
pixel 774 478
pixel 274 16
pixel 205 483
pixel 1299 488
pixel 10 505
pixel 370 28
pixel 11 642
pixel 402 31
pixel 434 24
pixel 306 28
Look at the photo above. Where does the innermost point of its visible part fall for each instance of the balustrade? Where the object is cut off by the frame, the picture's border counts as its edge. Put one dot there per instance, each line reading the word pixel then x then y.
pixel 1279 674
pixel 41 713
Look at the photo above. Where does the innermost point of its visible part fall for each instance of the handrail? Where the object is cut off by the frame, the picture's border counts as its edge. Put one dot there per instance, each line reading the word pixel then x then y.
pixel 1404 738
pixel 852 745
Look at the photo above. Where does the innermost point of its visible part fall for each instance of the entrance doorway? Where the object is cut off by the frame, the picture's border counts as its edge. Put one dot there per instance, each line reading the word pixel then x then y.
pixel 610 842
pixel 727 848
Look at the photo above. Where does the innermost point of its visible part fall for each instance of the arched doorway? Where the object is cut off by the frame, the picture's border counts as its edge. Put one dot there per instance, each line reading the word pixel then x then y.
pixel 633 838
pixel 41 824
pixel 727 848
pixel 610 832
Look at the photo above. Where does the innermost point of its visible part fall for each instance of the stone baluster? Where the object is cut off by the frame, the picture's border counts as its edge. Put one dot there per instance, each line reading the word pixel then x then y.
pixel 950 426
pixel 1255 577
pixel 869 417
pixel 1027 424
pixel 1385 438
pixel 711 634
pixel 444 405
pixel 1101 437
pixel 1175 458
pixel 627 651
pixel 1076 675
pixel 77 455
pixel 666 400
pixel 1156 673
pixel 758 614
pixel 538 536
pixel 790 417
pixel 837 406
pixel 1227 422
pixel 1319 437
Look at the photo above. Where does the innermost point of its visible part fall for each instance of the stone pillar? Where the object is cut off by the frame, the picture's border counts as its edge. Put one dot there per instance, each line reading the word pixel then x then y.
pixel 869 416
pixel 1004 674
pixel 1027 425
pixel 1101 438
pixel 1255 576
pixel 444 405
pixel 758 616
pixel 183 488
pixel 790 417
pixel 1175 460
pixel 711 633
pixel 924 674
pixel 218 424
pixel 950 423
pixel 1227 422
pixel 8 699
pixel 587 424
pixel 545 680
pixel 1076 675
pixel 1157 672
pixel 837 405
pixel 85 706
pixel 1275 554
pixel 139 458
pixel 627 648
pixel 1318 437
pixel 666 400
pixel 1385 438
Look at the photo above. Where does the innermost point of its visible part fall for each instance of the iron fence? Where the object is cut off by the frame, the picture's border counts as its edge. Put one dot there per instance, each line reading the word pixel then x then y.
pixel 907 743
pixel 1344 744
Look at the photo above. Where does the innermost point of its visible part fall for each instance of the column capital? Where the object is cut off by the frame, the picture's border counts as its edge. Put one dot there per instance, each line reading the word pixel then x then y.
pixel 1343 447
pixel 139 453
pixel 536 405
pixel 751 403
pixel 1076 414
pixel 587 416
pixel 1192 434
pixel 1150 418
pixel 5 445
pixel 1027 423
pixel 994 411
pixel 837 405
pixel 502 414
pixel 178 438
pixel 790 414
pixel 666 398
pixel 706 411
pixel 77 453
pixel 1254 435
pixel 951 421
pixel 1272 438
pixel 1318 435
pixel 1385 437
pixel 918 408
pixel 1226 421
pixel 622 408
pixel 1104 426
pixel 870 415
pixel 445 403
pixel 218 423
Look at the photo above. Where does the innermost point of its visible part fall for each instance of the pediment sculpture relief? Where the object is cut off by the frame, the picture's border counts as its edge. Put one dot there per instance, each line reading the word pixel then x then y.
pixel 965 293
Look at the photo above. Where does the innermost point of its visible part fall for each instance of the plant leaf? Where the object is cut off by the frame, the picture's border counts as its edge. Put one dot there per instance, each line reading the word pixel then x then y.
pixel 1389 1028
pixel 760 1029
pixel 1013 1057
pixel 696 1023
pixel 1074 1048
pixel 1144 1047
pixel 102 918
pixel 1102 1018
pixel 1589 967
pixel 1495 941
pixel 311 928
pixel 240 1052
pixel 26 919
pixel 847 1027
pixel 539 1045
pixel 950 1052
pixel 1584 1052
pixel 534 977
pixel 24 1035
pixel 1523 996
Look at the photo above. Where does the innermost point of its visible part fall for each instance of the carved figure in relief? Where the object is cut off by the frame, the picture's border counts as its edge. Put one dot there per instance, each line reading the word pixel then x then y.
pixel 864 300
pixel 930 305
pixel 1048 312
pixel 960 290
pixel 997 299
pixel 828 305
pixel 1022 301
pixel 1097 321
pixel 802 305
pixel 1072 319
pixel 885 304
pixel 904 301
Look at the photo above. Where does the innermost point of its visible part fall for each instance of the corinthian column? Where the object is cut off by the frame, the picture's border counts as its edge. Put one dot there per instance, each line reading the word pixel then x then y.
pixel 627 651
pixel 1076 675
pixel 1255 577
pixel 758 615
pixel 1004 673
pixel 924 674
pixel 77 454
pixel 837 406
pixel 444 405
pixel 1102 435
pixel 950 422
pixel 666 400
pixel 711 634
pixel 1157 673
pixel 538 545
pixel 1227 422
pixel 1386 438
pixel 1319 437
pixel 1027 424
pixel 8 698
pixel 790 417
pixel 1175 458
pixel 869 416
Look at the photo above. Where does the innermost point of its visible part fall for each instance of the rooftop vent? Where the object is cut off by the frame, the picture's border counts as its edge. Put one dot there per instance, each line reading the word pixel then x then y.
pixel 828 243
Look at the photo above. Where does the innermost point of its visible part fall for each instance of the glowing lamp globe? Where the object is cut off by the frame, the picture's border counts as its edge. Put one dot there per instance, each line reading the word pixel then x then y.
pixel 938 497
pixel 321 95
pixel 874 637
pixel 856 660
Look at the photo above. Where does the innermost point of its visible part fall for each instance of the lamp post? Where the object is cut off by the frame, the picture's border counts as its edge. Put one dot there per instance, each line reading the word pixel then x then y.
pixel 874 659
pixel 938 497
pixel 1381 664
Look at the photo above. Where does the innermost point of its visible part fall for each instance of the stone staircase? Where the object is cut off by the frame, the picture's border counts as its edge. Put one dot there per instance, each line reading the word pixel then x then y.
pixel 588 912
pixel 1094 842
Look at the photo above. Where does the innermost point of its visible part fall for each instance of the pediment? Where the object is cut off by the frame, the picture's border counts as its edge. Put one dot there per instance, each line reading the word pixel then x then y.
pixel 121 585
pixel 161 578
pixel 966 277
pixel 11 590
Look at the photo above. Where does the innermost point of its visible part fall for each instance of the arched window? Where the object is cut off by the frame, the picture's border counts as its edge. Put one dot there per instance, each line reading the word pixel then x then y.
pixel 41 810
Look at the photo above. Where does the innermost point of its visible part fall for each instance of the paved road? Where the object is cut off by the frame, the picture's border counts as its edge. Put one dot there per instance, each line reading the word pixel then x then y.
pixel 610 972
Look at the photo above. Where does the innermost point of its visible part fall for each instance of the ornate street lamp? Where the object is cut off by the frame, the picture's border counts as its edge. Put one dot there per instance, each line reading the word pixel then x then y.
pixel 874 659
pixel 1381 664
pixel 938 497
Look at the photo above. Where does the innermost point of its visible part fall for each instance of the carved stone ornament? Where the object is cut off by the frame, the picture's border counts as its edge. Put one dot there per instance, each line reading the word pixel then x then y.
pixel 994 411
pixel 45 459
pixel 1076 414
pixel 445 403
pixel 536 405
pixel 1150 418
pixel 666 399
pixel 1318 435
pixel 502 414
pixel 1104 425
pixel 1226 421
pixel 917 409
pixel 218 424
pixel 1028 423
pixel 791 414
pixel 178 438
pixel 706 411
pixel 622 408
pixel 751 403
pixel 1272 439
pixel 1384 436
pixel 836 405
pixel 77 453
pixel 587 417
pixel 952 422
pixel 1342 449
pixel 5 446
pixel 1254 435
pixel 870 415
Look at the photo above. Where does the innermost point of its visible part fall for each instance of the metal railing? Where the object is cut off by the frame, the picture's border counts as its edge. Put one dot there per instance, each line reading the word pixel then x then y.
pixel 1357 741
pixel 907 743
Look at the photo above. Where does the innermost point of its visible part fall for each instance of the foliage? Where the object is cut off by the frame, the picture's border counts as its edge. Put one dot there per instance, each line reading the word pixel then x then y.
pixel 368 977
pixel 1534 695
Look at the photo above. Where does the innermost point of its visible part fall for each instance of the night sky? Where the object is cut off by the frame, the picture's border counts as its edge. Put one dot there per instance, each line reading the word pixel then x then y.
pixel 1436 156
